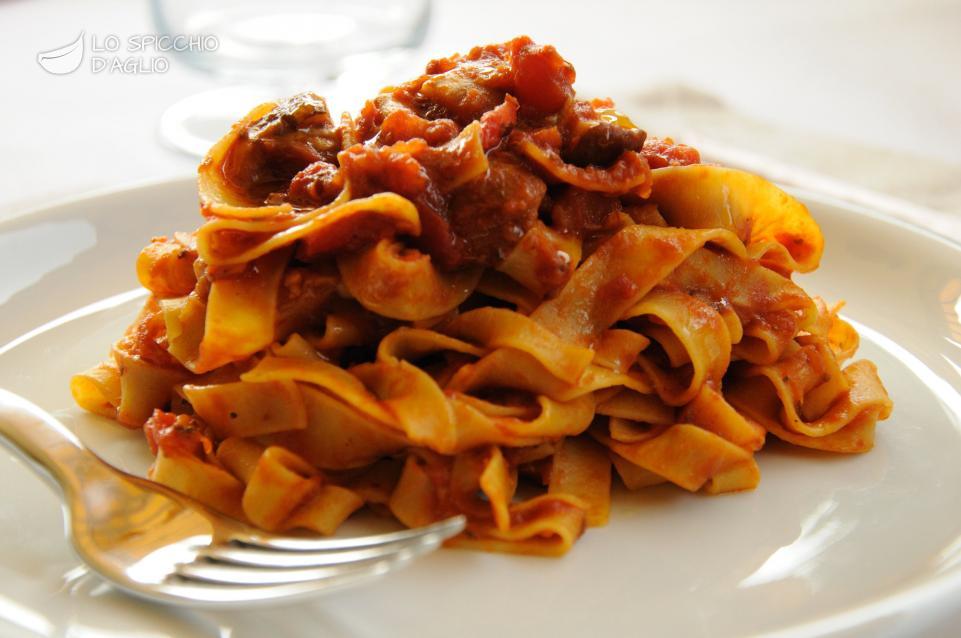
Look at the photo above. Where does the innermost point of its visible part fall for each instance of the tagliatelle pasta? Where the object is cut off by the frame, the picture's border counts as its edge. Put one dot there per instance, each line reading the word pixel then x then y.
pixel 483 296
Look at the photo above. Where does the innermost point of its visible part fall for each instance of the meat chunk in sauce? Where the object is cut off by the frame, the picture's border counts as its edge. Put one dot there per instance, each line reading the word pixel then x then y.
pixel 447 141
pixel 664 152
pixel 543 80
pixel 593 140
pixel 603 143
pixel 582 212
pixel 395 168
pixel 271 150
pixel 491 213
pixel 316 185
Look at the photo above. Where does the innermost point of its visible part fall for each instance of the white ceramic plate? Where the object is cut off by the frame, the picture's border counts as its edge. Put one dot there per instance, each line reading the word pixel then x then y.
pixel 827 545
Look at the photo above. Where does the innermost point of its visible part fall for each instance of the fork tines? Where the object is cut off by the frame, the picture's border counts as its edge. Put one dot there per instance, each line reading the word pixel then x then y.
pixel 264 561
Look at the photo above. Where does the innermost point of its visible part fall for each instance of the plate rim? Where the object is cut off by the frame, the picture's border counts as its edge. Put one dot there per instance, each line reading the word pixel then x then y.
pixel 940 592
pixel 18 215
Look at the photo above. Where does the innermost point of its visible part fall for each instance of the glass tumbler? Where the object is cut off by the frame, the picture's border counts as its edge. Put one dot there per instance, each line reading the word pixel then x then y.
pixel 256 51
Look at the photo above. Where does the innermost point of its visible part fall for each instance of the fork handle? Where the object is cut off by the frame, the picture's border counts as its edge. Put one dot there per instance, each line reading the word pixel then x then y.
pixel 44 444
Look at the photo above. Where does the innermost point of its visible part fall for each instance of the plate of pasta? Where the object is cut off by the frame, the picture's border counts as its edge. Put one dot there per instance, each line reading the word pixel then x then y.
pixel 669 396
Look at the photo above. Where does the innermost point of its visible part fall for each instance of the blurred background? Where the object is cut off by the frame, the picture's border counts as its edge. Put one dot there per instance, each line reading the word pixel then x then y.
pixel 857 99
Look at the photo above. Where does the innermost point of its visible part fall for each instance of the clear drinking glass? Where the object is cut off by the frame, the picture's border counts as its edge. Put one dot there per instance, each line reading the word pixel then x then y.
pixel 343 49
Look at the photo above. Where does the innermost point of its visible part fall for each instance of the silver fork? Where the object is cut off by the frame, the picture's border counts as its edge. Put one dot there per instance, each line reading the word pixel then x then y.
pixel 161 545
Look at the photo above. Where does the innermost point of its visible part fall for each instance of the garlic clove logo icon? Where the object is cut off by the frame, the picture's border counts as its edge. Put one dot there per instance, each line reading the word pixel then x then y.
pixel 62 60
